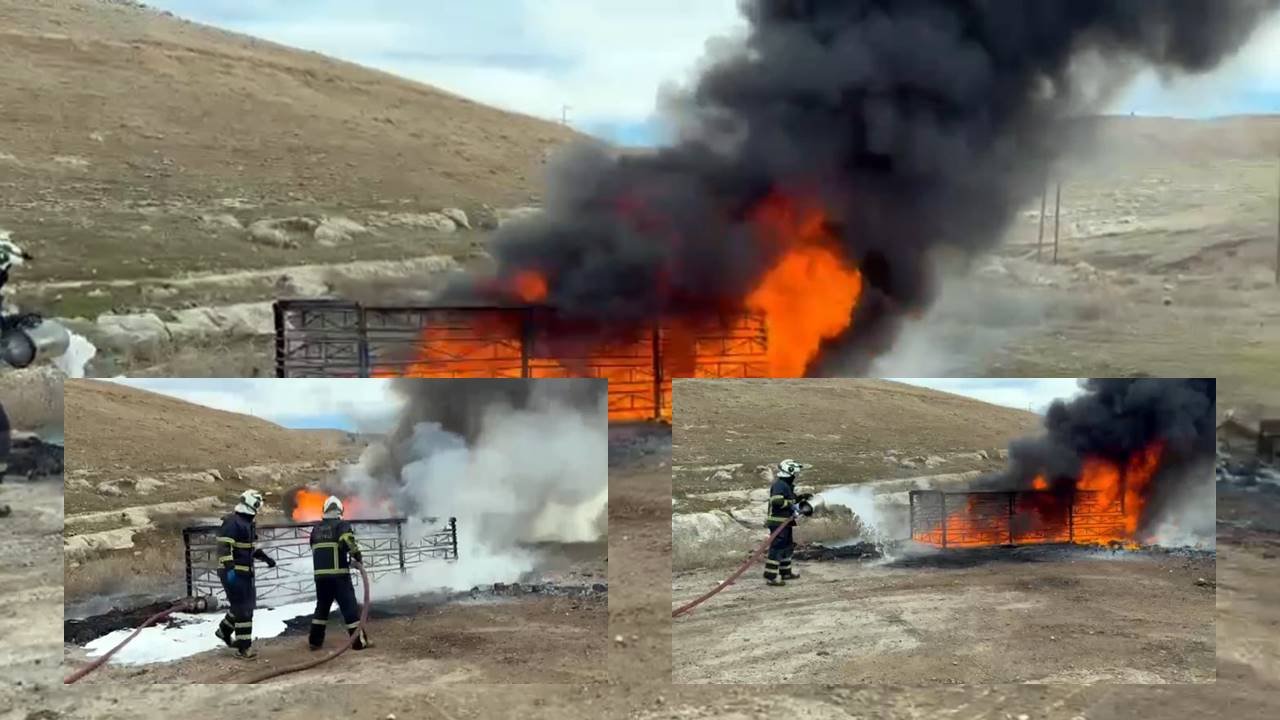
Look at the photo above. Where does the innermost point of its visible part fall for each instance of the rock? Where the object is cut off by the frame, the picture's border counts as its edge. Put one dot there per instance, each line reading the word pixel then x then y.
pixel 619 640
pixel 517 214
pixel 720 476
pixel 221 221
pixel 435 221
pixel 458 217
pixel 1167 300
pixel 487 218
pixel 159 292
pixel 71 161
pixel 239 321
pixel 282 232
pixel 335 230
pixel 126 332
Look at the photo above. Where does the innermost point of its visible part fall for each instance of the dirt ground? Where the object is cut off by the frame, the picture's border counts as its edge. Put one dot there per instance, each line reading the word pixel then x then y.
pixel 1008 617
pixel 527 640
pixel 639 563
pixel 31 584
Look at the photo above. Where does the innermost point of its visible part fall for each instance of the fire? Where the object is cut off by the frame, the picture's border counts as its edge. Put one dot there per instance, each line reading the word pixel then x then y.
pixel 308 506
pixel 807 296
pixel 810 294
pixel 1103 505
pixel 530 286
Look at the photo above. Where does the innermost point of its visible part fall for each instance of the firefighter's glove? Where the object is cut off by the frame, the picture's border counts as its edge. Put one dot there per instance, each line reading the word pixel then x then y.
pixel 270 563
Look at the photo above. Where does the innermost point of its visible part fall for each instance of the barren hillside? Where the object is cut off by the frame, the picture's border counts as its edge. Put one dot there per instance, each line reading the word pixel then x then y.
pixel 116 428
pixel 120 125
pixel 845 427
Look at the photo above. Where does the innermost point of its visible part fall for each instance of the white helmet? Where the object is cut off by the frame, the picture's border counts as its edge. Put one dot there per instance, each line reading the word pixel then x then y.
pixel 333 507
pixel 789 468
pixel 10 253
pixel 250 502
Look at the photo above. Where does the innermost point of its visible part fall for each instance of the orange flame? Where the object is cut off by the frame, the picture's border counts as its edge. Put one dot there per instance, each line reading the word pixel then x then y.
pixel 309 507
pixel 530 286
pixel 809 295
pixel 806 297
pixel 1105 507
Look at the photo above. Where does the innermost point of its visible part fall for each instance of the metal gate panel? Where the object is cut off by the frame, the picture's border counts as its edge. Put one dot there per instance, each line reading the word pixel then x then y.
pixel 382 544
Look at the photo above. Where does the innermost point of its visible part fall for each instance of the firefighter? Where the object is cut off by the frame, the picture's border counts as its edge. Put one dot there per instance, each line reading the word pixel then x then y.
pixel 10 256
pixel 782 507
pixel 236 553
pixel 333 546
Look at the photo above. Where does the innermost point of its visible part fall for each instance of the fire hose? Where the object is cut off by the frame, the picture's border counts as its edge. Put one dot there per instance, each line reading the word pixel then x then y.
pixel 351 640
pixel 200 604
pixel 183 604
pixel 751 560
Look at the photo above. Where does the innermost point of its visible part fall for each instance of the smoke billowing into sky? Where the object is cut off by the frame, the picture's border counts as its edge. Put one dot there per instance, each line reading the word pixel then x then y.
pixel 1121 421
pixel 834 152
pixel 517 462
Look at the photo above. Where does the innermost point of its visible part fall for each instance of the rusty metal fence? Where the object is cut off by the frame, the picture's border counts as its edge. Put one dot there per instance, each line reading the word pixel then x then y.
pixel 383 544
pixel 334 338
pixel 973 519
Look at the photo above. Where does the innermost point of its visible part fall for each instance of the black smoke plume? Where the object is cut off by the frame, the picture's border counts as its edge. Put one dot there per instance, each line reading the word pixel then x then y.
pixel 918 125
pixel 1116 419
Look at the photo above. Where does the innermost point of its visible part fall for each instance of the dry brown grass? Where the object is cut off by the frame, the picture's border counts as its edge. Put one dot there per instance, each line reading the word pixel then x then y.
pixel 171 113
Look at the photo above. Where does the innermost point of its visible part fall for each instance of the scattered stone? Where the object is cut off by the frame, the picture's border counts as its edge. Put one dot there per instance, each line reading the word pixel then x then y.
pixel 1167 300
pixel 458 217
pixel 71 161
pixel 517 214
pixel 720 476
pixel 220 221
pixel 282 232
pixel 1203 582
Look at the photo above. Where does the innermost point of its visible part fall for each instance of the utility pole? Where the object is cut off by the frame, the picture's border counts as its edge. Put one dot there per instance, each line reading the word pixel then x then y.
pixel 1057 212
pixel 1278 220
pixel 564 115
pixel 1044 192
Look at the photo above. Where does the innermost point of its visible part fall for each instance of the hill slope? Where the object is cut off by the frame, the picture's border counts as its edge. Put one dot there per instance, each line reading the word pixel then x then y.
pixel 114 117
pixel 844 427
pixel 112 427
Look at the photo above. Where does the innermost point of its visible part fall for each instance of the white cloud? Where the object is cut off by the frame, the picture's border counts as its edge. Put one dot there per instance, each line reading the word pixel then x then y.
pixel 1034 394
pixel 365 404
pixel 606 59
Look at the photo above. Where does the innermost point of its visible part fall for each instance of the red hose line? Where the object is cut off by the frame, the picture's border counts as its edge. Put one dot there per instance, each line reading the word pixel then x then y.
pixel 729 581
pixel 77 675
pixel 351 639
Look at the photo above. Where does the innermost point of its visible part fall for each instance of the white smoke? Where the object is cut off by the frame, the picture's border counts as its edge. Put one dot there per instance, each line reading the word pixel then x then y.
pixel 1189 517
pixel 79 352
pixel 538 475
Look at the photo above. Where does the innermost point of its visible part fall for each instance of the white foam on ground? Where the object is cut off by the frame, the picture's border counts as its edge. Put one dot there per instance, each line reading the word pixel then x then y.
pixel 192 635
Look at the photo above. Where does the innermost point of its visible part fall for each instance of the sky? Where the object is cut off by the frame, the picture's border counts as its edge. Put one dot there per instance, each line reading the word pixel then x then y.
pixel 354 405
pixel 1034 394
pixel 607 59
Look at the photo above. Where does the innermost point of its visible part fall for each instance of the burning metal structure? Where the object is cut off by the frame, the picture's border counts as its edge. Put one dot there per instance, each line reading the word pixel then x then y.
pixel 1117 465
pixel 979 519
pixel 386 549
pixel 332 338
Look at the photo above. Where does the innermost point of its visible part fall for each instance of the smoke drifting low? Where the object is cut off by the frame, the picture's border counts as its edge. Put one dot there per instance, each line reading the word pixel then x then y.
pixel 911 125
pixel 1117 420
pixel 517 462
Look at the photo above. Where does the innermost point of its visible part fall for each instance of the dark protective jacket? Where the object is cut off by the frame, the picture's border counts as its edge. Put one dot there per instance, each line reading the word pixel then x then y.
pixel 236 540
pixel 333 544
pixel 782 498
